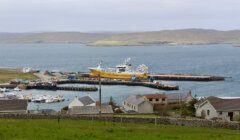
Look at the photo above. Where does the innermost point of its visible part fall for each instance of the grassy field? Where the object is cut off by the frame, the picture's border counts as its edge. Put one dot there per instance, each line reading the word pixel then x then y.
pixel 94 130
pixel 7 75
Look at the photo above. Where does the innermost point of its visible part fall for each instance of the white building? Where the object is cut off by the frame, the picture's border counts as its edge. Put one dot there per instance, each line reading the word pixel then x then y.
pixel 83 101
pixel 214 107
pixel 138 104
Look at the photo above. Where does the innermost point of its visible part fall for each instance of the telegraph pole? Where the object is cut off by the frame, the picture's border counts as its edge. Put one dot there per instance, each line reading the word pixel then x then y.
pixel 100 95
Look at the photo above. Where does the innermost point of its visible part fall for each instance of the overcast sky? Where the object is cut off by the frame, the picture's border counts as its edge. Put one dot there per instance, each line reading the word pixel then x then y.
pixel 117 15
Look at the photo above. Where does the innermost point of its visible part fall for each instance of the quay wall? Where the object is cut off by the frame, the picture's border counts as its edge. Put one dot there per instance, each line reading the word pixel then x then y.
pixel 178 77
pixel 67 88
pixel 126 83
pixel 156 121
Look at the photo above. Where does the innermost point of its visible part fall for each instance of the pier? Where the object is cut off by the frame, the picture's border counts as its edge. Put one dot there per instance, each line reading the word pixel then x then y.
pixel 186 77
pixel 10 86
pixel 67 88
pixel 126 83
pixel 175 77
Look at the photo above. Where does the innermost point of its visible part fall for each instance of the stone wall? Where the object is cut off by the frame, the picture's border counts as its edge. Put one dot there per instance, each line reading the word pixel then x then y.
pixel 110 118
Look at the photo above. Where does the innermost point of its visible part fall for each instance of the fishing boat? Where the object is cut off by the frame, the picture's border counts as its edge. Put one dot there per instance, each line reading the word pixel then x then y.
pixel 122 71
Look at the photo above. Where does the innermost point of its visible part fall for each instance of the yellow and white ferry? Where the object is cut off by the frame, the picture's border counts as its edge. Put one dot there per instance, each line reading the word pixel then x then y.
pixel 122 71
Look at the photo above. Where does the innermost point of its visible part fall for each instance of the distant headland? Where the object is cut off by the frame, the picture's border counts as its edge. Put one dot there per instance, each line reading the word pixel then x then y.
pixel 181 36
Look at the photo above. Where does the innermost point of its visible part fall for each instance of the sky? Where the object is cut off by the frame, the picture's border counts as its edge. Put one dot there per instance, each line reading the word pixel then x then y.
pixel 117 15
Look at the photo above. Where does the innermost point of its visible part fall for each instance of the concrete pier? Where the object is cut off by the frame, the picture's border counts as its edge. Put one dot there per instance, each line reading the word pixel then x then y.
pixel 126 83
pixel 186 77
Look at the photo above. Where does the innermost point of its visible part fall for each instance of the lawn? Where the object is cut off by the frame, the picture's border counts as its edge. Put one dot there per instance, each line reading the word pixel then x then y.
pixel 7 75
pixel 17 129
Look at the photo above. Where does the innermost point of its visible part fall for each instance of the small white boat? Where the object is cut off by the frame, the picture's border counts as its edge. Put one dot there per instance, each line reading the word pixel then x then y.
pixel 10 94
pixel 17 89
pixel 4 90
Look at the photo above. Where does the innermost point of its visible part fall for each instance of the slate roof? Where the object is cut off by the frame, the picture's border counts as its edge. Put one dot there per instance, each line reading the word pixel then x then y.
pixel 155 96
pixel 90 110
pixel 13 105
pixel 224 104
pixel 86 100
pixel 135 99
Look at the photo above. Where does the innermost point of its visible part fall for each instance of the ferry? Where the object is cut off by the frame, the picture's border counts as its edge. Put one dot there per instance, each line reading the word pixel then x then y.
pixel 122 71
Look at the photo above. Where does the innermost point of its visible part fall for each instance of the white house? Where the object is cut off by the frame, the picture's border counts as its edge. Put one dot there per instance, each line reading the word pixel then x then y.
pixel 138 104
pixel 83 101
pixel 214 107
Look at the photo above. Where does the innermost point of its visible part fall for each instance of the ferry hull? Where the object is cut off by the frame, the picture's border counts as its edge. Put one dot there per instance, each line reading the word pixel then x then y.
pixel 112 75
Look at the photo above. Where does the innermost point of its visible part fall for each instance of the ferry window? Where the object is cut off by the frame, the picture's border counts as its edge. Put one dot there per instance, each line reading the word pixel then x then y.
pixel 122 70
pixel 208 112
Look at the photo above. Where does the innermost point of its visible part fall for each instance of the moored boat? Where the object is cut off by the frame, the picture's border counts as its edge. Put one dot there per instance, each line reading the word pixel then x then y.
pixel 122 71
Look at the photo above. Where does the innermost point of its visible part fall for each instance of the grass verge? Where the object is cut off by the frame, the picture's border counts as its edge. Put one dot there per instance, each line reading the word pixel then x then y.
pixel 44 129
pixel 7 75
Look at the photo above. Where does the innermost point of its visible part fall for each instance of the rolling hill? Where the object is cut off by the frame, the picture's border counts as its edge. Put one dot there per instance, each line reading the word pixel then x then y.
pixel 183 36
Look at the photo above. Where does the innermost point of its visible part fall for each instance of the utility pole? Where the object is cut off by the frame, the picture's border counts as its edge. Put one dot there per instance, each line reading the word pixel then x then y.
pixel 100 95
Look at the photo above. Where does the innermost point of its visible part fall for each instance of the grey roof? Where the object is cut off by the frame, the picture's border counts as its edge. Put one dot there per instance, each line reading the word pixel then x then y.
pixel 86 100
pixel 13 105
pixel 224 104
pixel 135 99
pixel 90 110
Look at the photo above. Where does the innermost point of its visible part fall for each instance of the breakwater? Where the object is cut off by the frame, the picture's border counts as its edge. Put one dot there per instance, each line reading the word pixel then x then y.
pixel 126 83
pixel 186 77
pixel 11 86
pixel 67 88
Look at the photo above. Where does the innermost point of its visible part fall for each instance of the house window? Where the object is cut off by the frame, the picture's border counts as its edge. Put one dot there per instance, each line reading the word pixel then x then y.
pixel 150 99
pixel 220 113
pixel 163 99
pixel 157 100
pixel 208 112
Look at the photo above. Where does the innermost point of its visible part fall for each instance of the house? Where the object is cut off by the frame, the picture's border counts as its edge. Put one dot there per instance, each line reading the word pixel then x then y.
pixel 179 97
pixel 214 107
pixel 138 103
pixel 13 106
pixel 83 101
pixel 156 98
pixel 90 110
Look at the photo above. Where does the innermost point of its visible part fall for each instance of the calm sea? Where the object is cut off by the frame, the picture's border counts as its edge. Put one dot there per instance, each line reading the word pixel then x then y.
pixel 220 60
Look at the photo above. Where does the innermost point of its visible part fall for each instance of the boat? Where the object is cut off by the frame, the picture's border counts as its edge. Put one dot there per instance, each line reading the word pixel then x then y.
pixel 4 90
pixel 17 89
pixel 122 71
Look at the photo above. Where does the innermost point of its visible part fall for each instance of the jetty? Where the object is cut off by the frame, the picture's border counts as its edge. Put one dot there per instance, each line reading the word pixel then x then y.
pixel 10 86
pixel 126 83
pixel 175 77
pixel 67 88
pixel 186 77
